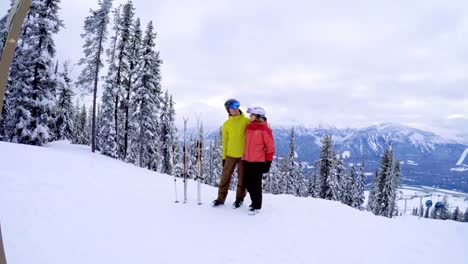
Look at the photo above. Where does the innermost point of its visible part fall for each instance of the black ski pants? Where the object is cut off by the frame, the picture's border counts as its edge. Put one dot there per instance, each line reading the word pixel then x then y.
pixel 253 181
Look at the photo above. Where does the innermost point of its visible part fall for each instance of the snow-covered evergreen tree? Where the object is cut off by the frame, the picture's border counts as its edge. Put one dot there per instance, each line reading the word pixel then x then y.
pixel 145 143
pixel 213 162
pixel 192 169
pixel 32 86
pixel 335 181
pixel 109 99
pixel 313 181
pixel 134 58
pixel 65 109
pixel 117 78
pixel 372 204
pixel 465 216
pixel 348 185
pixel 456 214
pixel 385 185
pixel 95 35
pixel 327 155
pixel 81 123
pixel 275 181
pixel 444 211
pixel 395 182
pixel 359 188
pixel 290 169
pixel 167 131
pixel 107 133
pixel 127 26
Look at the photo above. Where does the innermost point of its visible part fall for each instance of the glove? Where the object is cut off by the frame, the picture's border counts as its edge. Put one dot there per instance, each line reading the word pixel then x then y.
pixel 224 161
pixel 267 166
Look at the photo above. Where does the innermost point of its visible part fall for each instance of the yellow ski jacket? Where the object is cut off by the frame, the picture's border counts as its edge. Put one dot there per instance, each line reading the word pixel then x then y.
pixel 233 136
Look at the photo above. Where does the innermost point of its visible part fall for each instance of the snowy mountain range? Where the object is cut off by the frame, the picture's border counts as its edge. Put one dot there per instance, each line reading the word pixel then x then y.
pixel 427 159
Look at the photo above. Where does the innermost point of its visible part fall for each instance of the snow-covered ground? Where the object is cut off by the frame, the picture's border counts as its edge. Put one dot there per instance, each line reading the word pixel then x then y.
pixel 63 204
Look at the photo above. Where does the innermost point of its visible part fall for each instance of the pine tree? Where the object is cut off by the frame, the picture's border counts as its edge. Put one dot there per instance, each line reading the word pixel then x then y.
pixel 107 133
pixel 117 79
pixel 134 58
pixel 373 204
pixel 312 182
pixel 359 188
pixel 326 168
pixel 335 181
pixel 395 183
pixel 444 211
pixel 32 86
pixel 95 35
pixel 290 170
pixel 465 216
pixel 109 99
pixel 276 182
pixel 81 123
pixel 348 186
pixel 456 214
pixel 168 132
pixel 385 185
pixel 434 213
pixel 145 135
pixel 65 109
pixel 213 163
pixel 121 79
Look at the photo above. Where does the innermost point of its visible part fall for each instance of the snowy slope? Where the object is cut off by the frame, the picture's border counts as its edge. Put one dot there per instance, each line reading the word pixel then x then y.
pixel 62 204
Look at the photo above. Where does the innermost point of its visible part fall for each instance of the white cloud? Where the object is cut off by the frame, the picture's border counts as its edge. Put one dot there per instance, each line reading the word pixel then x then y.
pixel 457 116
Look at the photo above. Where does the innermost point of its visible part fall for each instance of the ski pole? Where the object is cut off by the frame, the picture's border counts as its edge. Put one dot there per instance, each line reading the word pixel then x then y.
pixel 185 161
pixel 174 172
pixel 199 145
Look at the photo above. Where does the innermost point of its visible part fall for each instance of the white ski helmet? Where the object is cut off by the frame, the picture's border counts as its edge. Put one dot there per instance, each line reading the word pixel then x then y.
pixel 256 110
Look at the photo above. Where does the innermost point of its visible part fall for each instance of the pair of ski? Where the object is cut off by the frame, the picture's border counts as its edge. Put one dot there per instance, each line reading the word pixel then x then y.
pixel 199 156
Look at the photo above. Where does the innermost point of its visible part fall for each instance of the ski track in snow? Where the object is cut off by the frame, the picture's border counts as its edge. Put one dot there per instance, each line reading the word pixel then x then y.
pixel 63 204
pixel 462 158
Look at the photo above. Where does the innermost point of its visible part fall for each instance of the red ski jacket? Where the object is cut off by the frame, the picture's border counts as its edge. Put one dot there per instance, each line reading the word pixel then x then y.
pixel 259 142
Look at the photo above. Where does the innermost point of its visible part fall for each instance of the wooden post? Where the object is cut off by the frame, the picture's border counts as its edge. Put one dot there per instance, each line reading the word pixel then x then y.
pixel 14 24
pixel 2 251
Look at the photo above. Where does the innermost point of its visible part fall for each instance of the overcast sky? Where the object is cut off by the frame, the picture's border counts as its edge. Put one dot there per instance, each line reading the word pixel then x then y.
pixel 342 63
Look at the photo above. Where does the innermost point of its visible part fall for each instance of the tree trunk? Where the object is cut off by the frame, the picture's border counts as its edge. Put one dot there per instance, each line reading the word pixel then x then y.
pixel 96 80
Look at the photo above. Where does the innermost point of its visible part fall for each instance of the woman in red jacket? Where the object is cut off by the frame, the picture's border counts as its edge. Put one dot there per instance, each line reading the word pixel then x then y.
pixel 258 155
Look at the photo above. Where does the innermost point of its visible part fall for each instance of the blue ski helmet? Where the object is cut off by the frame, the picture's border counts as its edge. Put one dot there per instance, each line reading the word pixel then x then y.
pixel 231 104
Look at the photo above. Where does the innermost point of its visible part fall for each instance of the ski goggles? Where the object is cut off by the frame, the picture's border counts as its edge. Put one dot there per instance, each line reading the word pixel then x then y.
pixel 234 105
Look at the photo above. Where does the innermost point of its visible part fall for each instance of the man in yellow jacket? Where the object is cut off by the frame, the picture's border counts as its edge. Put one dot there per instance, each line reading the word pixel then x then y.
pixel 233 138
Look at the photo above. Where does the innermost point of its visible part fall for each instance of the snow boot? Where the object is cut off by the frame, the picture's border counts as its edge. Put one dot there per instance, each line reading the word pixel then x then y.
pixel 253 211
pixel 237 204
pixel 216 203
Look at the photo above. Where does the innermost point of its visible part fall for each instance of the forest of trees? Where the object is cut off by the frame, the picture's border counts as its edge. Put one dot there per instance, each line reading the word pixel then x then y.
pixel 134 120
